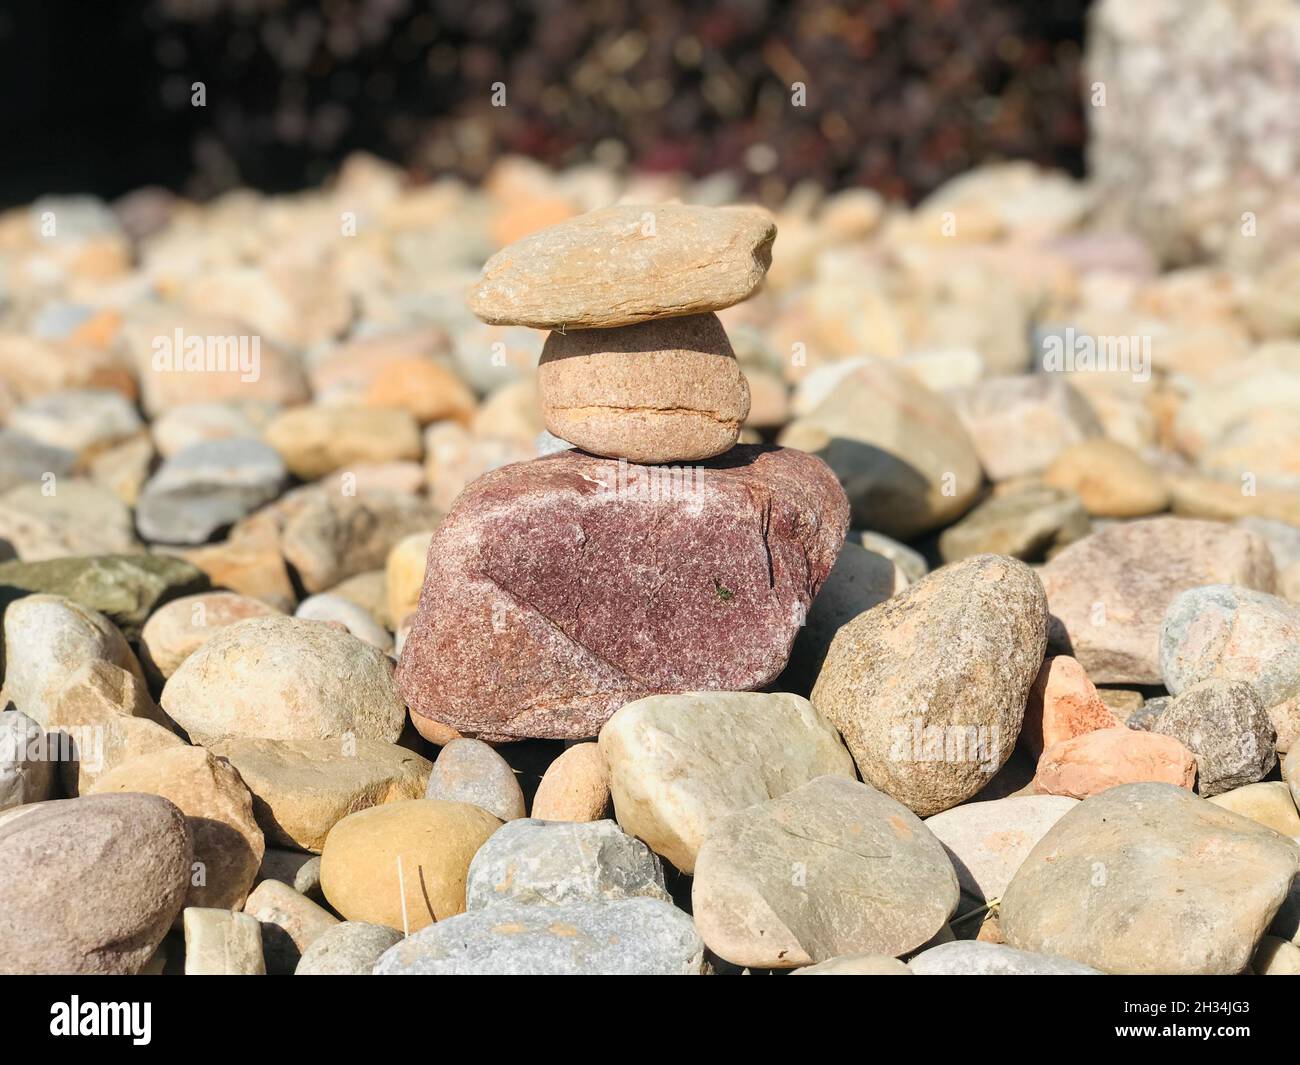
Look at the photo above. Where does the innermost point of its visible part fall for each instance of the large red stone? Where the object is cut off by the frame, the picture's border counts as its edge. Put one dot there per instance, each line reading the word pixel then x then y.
pixel 559 589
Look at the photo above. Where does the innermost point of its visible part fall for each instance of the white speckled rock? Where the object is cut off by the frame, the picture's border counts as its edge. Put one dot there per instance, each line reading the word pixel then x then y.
pixel 326 607
pixel 972 958
pixel 679 763
pixel 1231 633
pixel 283 678
pixel 929 688
pixel 1224 724
pixel 632 937
pixel 531 861
pixel 471 771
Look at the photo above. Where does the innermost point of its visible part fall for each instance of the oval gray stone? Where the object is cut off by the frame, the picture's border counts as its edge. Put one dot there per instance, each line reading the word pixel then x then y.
pixel 1236 633
pixel 348 949
pixel 471 771
pixel 530 861
pixel 1224 724
pixel 629 937
pixel 973 958
pixel 207 487
pixel 832 868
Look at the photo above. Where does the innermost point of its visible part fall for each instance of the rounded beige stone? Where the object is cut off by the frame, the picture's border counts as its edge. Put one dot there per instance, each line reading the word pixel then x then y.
pixel 284 678
pixel 316 440
pixel 228 845
pixel 179 628
pixel 403 864
pixel 1111 479
pixel 575 787
pixel 660 391
pixel 404 574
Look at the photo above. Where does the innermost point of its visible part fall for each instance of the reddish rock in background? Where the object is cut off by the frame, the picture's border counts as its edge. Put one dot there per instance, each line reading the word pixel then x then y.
pixel 559 589
pixel 1063 703
pixel 1105 758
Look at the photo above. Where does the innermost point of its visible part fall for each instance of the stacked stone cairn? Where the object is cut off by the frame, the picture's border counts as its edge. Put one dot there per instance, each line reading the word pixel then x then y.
pixel 656 555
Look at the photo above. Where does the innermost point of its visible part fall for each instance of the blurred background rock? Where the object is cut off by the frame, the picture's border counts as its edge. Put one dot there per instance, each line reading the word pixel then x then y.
pixel 900 94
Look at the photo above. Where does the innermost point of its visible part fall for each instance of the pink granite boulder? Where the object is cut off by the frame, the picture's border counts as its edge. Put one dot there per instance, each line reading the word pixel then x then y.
pixel 559 589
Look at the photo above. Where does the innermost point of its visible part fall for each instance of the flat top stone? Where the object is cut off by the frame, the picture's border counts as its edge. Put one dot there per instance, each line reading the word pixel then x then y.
pixel 834 867
pixel 634 937
pixel 679 763
pixel 625 264
pixel 1169 883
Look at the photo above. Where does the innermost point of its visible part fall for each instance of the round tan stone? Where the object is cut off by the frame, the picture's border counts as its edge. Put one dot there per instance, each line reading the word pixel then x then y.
pixel 662 391
pixel 1113 480
pixel 471 771
pixel 179 628
pixel 228 845
pixel 575 787
pixel 285 679
pixel 314 441
pixel 1269 802
pixel 403 864
pixel 404 574
pixel 428 390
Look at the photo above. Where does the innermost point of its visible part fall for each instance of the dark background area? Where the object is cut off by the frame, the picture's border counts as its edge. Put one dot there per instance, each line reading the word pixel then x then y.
pixel 901 94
